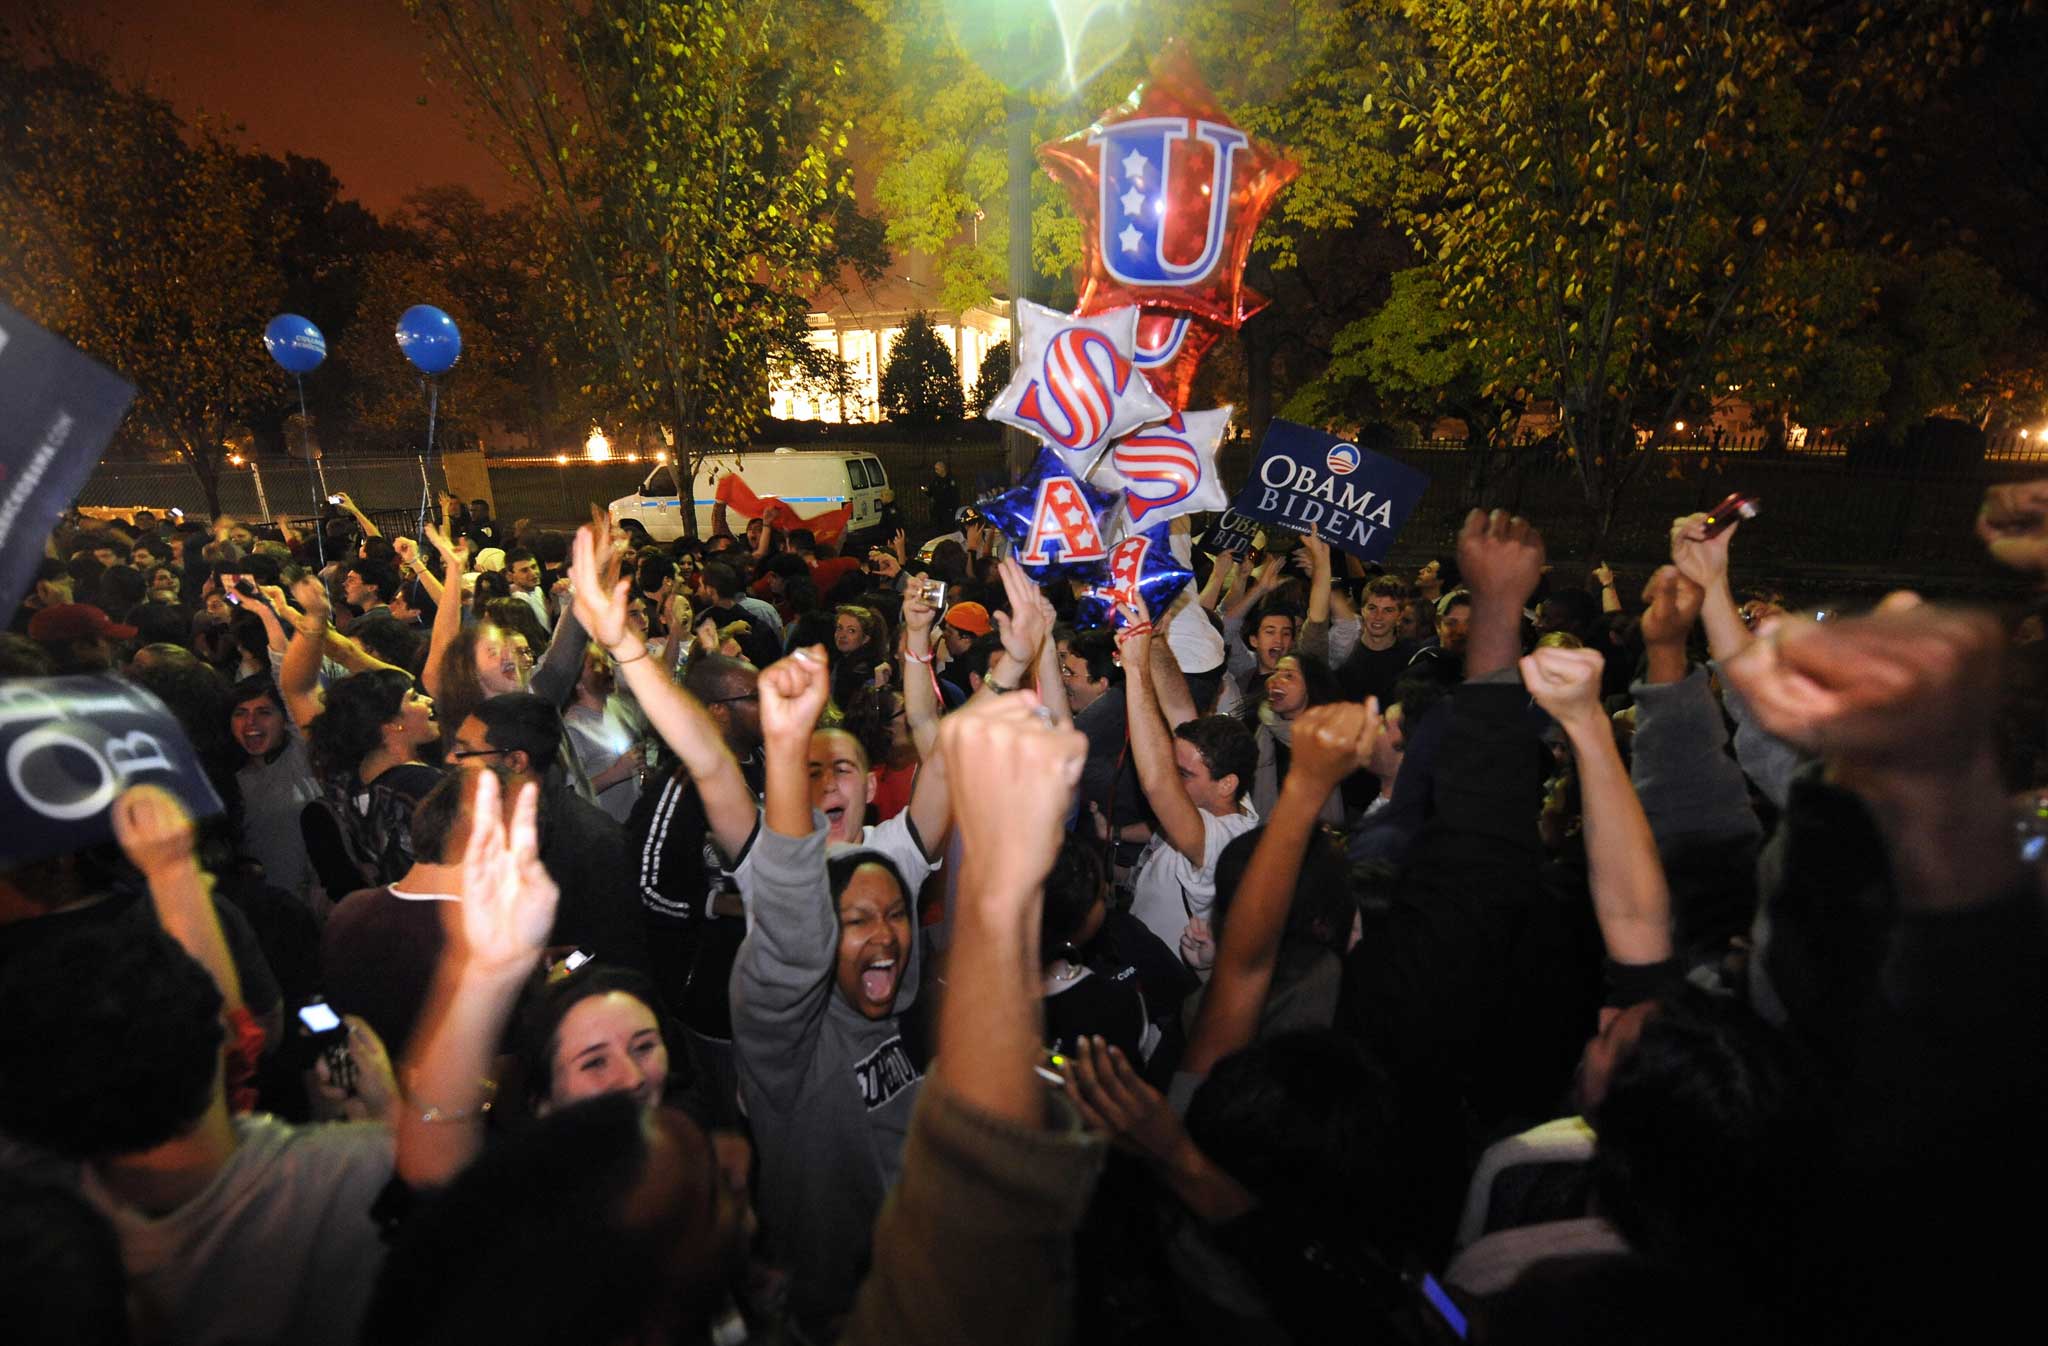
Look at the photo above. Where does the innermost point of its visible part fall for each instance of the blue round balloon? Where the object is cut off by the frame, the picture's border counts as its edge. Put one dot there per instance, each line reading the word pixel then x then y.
pixel 1054 520
pixel 295 343
pixel 429 338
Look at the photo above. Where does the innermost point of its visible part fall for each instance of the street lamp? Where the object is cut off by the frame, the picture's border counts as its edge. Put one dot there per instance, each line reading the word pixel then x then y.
pixel 597 448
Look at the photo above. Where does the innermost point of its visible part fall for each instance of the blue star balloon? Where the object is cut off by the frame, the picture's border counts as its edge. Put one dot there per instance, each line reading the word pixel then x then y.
pixel 1054 521
pixel 1142 565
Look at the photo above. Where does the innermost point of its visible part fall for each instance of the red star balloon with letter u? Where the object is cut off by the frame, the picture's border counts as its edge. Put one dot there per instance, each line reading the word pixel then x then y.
pixel 1169 192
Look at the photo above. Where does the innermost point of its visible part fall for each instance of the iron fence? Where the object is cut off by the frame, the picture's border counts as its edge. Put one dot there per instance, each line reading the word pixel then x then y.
pixel 1822 508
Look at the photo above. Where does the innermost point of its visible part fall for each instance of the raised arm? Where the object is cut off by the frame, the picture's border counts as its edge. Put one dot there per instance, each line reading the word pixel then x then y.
pixel 1688 785
pixel 1319 579
pixel 298 681
pixel 1704 561
pixel 1220 578
pixel 683 723
pixel 1330 742
pixel 1169 680
pixel 1501 557
pixel 1610 597
pixel 1630 897
pixel 1180 821
pixel 990 1179
pixel 507 908
pixel 448 615
pixel 362 519
pixel 157 836
pixel 1265 582
pixel 920 689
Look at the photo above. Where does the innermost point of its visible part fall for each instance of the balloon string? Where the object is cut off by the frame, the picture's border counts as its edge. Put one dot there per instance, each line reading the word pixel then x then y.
pixel 433 409
pixel 306 448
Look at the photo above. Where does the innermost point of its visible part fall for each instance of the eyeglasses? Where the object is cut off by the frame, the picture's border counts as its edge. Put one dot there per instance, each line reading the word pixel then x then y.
pixel 463 754
pixel 743 696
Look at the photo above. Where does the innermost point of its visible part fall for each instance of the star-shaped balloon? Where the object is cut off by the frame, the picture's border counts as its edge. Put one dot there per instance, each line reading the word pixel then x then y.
pixel 1167 470
pixel 1054 521
pixel 1143 564
pixel 1169 348
pixel 1169 192
pixel 1075 386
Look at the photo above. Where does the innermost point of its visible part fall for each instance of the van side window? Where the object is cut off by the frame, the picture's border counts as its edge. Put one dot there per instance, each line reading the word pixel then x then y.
pixel 876 477
pixel 856 473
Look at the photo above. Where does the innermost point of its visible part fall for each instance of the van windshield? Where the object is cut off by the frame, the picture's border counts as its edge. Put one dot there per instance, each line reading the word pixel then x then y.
pixel 661 480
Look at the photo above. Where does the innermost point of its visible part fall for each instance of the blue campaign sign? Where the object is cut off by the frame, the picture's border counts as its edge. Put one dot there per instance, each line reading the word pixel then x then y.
pixel 58 409
pixel 1355 498
pixel 70 746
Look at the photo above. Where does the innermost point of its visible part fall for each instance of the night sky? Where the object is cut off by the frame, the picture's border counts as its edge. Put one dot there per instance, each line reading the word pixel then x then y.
pixel 338 80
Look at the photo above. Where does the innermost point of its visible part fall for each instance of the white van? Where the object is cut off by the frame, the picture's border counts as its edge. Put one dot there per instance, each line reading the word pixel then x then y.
pixel 810 481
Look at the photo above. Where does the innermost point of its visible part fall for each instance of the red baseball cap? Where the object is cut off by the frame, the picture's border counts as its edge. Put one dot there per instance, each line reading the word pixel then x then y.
pixel 76 621
pixel 969 617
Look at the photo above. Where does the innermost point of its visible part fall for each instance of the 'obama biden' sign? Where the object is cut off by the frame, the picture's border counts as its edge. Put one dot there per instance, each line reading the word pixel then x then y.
pixel 1355 498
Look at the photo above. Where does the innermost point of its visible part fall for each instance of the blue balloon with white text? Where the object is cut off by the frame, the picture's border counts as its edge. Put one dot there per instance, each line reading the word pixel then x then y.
pixel 295 343
pixel 429 338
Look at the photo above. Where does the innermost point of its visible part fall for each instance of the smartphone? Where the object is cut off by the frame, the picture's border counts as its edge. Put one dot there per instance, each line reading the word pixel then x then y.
pixel 1731 511
pixel 333 499
pixel 327 1032
pixel 575 960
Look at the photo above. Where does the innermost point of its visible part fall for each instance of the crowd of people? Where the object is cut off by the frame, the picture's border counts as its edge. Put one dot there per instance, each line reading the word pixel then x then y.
pixel 763 939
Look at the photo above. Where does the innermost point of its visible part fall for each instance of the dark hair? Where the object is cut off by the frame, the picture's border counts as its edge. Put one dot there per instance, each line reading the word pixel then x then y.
pixel 1386 586
pixel 254 686
pixel 110 1041
pixel 121 588
pixel 197 696
pixel 652 572
pixel 976 660
pixel 548 1003
pixel 544 1207
pixel 490 586
pixel 722 580
pixel 811 628
pixel 61 1276
pixel 351 727
pixel 1306 1121
pixel 802 539
pixel 1320 910
pixel 1452 598
pixel 1711 1140
pixel 158 623
pixel 514 555
pixel 1226 746
pixel 839 871
pixel 1579 610
pixel 1272 607
pixel 1417 695
pixel 949 561
pixel 1072 888
pixel 551 548
pixel 1318 679
pixel 515 616
pixel 376 575
pixel 523 722
pixel 788 566
pixel 799 594
pixel 393 641
pixel 434 817
pixel 1096 647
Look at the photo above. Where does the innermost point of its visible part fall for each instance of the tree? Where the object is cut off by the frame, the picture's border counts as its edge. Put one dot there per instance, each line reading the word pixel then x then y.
pixel 141 240
pixel 449 249
pixel 920 382
pixel 991 378
pixel 1607 194
pixel 683 160
pixel 1408 357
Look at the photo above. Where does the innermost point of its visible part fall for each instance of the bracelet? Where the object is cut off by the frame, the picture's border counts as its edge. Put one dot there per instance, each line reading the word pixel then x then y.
pixel 1132 632
pixel 918 658
pixel 642 655
pixel 433 1116
pixel 997 687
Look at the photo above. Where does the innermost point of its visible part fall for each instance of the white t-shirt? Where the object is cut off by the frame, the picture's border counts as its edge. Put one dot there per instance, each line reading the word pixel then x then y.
pixel 1170 890
pixel 279 1247
pixel 893 839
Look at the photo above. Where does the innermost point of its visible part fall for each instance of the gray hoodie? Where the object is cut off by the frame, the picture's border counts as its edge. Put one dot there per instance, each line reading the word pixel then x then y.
pixel 829 1092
